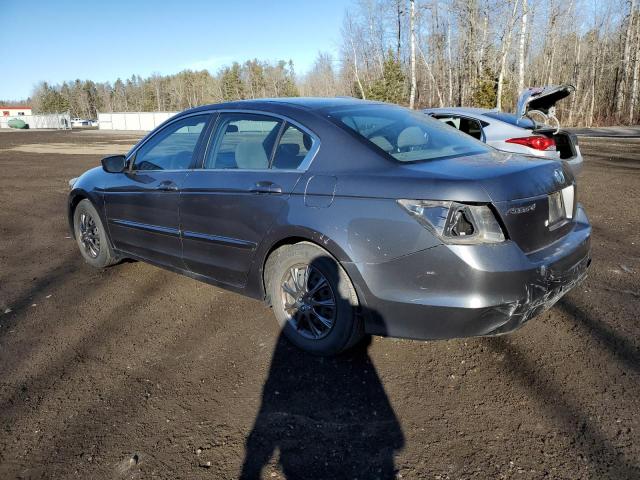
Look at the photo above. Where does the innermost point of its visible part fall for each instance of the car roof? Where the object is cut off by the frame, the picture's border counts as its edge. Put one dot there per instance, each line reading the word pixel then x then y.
pixel 303 103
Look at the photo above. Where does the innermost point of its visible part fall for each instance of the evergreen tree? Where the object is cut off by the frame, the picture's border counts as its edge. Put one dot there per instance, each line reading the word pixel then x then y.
pixel 484 91
pixel 391 87
pixel 256 82
pixel 232 86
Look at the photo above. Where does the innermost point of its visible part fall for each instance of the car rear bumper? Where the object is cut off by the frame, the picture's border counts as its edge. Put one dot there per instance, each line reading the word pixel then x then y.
pixel 452 291
pixel 575 162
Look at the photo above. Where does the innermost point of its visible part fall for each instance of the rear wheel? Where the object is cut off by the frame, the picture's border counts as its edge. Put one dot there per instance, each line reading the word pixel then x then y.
pixel 313 299
pixel 91 236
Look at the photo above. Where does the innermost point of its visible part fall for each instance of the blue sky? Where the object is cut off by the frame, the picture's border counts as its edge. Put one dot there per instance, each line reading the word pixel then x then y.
pixel 59 40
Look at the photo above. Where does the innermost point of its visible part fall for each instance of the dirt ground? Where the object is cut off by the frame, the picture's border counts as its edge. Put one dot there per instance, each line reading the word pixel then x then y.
pixel 136 372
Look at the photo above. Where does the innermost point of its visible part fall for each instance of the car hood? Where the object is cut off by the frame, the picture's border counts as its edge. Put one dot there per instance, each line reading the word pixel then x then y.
pixel 542 98
pixel 502 176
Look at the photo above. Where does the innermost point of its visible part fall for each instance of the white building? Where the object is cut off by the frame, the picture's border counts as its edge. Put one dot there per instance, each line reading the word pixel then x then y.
pixel 15 111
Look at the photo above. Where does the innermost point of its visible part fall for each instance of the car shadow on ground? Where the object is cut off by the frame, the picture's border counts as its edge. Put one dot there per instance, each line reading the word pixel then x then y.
pixel 619 346
pixel 331 417
pixel 323 417
pixel 564 409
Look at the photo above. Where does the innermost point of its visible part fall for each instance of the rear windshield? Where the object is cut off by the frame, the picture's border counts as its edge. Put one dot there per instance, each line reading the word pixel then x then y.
pixel 512 119
pixel 405 135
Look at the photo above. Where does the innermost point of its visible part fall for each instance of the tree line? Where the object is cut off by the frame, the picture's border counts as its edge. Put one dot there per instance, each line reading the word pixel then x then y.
pixel 84 98
pixel 420 53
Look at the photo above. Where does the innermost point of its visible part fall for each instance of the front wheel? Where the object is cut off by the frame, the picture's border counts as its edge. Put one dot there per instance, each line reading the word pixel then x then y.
pixel 313 299
pixel 91 236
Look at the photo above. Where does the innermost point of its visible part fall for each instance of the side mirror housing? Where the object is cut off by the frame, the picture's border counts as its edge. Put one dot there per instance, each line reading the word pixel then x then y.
pixel 114 163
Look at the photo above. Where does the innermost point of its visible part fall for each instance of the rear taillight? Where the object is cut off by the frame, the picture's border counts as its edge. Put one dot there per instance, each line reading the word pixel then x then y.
pixel 536 142
pixel 456 222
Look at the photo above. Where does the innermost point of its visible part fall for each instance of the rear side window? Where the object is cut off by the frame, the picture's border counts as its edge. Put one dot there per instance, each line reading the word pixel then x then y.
pixel 243 141
pixel 470 126
pixel 292 149
pixel 405 135
pixel 172 147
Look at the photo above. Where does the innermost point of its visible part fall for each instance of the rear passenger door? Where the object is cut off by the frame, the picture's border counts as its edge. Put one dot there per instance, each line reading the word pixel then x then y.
pixel 227 206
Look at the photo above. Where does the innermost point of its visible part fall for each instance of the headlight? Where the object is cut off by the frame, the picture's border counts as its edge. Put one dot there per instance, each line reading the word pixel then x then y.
pixel 72 182
pixel 456 222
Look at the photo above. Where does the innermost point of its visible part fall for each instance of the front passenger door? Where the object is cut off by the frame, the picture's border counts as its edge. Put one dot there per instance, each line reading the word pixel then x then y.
pixel 142 203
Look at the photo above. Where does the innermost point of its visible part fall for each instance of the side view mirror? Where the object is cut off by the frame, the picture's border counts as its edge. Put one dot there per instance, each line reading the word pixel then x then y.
pixel 114 163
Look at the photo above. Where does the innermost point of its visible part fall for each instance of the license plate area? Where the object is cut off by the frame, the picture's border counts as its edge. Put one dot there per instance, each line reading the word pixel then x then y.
pixel 561 207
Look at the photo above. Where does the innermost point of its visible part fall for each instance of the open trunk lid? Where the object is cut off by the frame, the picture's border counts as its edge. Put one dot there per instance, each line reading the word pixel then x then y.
pixel 542 99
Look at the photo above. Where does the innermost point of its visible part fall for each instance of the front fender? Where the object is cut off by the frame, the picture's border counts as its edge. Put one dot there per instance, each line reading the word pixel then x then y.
pixel 89 185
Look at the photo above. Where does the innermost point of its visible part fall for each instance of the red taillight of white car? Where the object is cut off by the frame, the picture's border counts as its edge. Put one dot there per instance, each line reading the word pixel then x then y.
pixel 535 141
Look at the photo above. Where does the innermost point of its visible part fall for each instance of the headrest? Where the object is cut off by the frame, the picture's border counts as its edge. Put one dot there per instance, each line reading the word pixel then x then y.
pixel 289 148
pixel 411 137
pixel 382 142
pixel 251 155
pixel 307 140
pixel 231 128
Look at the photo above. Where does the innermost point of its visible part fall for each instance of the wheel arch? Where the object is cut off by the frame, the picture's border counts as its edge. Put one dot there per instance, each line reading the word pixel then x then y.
pixel 291 238
pixel 78 195
pixel 75 197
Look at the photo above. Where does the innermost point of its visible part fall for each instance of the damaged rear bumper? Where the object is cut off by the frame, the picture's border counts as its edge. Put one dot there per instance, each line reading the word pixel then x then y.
pixel 452 291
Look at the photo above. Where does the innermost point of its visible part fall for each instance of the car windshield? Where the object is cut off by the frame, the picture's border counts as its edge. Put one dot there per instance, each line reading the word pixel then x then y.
pixel 405 135
pixel 511 119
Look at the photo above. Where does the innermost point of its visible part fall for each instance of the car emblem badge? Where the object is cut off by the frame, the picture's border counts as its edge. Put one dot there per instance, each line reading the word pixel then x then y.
pixel 525 209
pixel 559 176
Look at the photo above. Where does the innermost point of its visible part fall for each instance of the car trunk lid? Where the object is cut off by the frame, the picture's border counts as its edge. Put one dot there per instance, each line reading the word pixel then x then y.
pixel 542 99
pixel 504 176
pixel 534 223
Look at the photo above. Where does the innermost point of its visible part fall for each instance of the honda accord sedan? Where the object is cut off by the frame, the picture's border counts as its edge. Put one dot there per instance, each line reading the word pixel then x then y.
pixel 348 217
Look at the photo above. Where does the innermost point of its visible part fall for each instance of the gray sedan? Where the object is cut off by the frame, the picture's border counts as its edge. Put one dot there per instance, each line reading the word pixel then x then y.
pixel 517 133
pixel 348 217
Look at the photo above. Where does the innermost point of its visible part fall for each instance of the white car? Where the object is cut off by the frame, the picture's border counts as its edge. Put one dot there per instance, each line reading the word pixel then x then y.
pixel 80 122
pixel 520 132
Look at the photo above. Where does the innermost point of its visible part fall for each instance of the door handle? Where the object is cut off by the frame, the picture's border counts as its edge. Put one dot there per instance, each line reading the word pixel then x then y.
pixel 266 187
pixel 167 186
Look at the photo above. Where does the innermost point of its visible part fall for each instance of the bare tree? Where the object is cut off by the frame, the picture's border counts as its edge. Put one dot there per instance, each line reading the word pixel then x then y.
pixel 412 30
pixel 506 43
pixel 450 63
pixel 624 66
pixel 349 32
pixel 636 72
pixel 521 46
pixel 399 12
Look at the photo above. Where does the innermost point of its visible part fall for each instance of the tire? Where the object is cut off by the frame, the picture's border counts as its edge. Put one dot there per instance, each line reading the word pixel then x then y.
pixel 302 281
pixel 91 236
